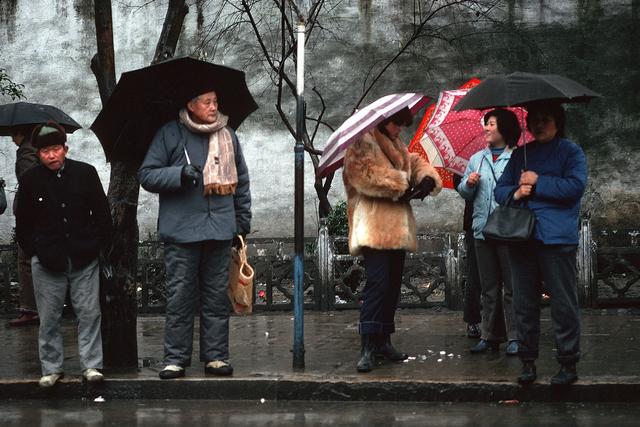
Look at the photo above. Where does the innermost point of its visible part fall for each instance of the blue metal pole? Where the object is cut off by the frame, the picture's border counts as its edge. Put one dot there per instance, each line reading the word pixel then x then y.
pixel 298 261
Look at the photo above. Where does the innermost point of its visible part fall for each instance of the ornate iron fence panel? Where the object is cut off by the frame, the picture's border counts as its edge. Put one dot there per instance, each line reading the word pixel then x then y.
pixel 608 272
pixel 426 279
pixel 617 278
pixel 9 286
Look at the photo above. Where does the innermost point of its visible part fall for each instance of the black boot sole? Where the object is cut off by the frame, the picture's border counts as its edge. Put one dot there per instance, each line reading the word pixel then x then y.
pixel 527 379
pixel 397 358
pixel 220 372
pixel 364 369
pixel 170 375
pixel 564 381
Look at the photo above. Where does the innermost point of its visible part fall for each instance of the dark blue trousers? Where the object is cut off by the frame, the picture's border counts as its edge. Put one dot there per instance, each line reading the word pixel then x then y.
pixel 557 265
pixel 381 293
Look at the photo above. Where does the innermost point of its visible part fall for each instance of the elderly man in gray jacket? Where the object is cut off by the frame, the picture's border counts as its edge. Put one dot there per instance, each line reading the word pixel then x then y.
pixel 195 164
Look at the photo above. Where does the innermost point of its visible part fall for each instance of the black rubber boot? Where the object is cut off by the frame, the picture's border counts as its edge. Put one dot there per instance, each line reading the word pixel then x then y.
pixel 367 359
pixel 567 375
pixel 528 374
pixel 385 349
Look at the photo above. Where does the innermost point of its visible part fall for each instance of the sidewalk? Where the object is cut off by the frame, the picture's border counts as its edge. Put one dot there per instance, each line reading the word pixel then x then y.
pixel 440 367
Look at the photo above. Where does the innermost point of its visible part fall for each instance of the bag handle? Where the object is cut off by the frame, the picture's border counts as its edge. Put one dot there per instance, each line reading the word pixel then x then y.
pixel 242 251
pixel 512 202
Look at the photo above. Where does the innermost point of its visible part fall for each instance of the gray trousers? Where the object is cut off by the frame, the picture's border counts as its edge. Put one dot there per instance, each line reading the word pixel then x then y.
pixel 497 290
pixel 197 273
pixel 557 265
pixel 50 290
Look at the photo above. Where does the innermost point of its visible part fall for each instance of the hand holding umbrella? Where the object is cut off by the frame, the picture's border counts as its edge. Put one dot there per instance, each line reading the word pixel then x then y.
pixel 474 178
pixel 420 190
pixel 190 173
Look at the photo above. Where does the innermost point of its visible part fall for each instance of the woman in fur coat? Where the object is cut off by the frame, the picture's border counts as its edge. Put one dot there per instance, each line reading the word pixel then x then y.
pixel 380 176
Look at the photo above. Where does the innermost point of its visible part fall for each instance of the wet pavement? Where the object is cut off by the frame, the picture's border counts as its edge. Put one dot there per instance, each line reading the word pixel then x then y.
pixel 440 367
pixel 194 413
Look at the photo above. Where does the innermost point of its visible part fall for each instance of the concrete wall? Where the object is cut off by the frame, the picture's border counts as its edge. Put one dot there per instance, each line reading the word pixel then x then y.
pixel 47 45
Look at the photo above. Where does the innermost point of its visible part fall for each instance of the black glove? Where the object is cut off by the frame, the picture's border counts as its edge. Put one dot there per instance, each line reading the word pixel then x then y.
pixel 424 187
pixel 408 194
pixel 190 174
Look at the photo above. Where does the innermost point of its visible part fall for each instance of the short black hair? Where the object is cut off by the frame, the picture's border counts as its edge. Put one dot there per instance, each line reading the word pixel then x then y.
pixel 553 109
pixel 401 118
pixel 508 125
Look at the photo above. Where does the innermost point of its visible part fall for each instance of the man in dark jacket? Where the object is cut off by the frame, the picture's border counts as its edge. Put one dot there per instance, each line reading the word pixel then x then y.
pixel 196 165
pixel 26 158
pixel 63 221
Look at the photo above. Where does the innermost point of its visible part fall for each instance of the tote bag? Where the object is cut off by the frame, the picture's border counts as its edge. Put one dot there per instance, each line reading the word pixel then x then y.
pixel 241 276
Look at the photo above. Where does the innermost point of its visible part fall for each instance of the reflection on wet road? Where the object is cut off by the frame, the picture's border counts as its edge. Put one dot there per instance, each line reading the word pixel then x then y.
pixel 195 413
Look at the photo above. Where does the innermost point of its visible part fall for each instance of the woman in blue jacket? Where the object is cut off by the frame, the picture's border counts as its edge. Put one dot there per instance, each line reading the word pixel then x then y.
pixel 483 171
pixel 551 176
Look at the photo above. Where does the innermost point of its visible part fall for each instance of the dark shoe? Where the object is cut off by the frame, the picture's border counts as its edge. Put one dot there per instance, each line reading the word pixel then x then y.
pixel 218 367
pixel 385 349
pixel 171 371
pixel 367 358
pixel 473 330
pixel 512 348
pixel 566 375
pixel 25 318
pixel 483 346
pixel 528 374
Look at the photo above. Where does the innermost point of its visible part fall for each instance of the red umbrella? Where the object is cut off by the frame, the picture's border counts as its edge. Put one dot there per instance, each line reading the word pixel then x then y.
pixel 361 122
pixel 451 137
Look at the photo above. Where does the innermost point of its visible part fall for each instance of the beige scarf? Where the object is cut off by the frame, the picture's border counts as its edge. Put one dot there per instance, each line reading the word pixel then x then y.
pixel 219 173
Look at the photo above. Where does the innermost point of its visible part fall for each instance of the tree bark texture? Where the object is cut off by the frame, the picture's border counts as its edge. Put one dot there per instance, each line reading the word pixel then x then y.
pixel 171 29
pixel 119 338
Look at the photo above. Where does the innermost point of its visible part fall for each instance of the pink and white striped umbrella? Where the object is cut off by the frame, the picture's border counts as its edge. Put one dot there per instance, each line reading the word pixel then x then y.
pixel 361 122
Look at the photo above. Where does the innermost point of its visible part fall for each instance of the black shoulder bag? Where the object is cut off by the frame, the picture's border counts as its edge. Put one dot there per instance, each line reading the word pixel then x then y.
pixel 510 223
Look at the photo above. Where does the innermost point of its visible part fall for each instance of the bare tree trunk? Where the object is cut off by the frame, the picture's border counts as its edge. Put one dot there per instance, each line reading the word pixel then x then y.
pixel 176 11
pixel 119 315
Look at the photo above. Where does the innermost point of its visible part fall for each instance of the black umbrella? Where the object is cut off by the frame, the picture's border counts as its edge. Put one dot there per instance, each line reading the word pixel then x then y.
pixel 26 114
pixel 145 99
pixel 518 88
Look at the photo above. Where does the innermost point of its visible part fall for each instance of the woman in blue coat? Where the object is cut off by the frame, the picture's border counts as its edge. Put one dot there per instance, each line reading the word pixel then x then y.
pixel 483 171
pixel 551 175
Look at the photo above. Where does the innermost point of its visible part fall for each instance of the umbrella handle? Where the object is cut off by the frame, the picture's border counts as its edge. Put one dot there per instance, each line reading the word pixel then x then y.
pixel 186 154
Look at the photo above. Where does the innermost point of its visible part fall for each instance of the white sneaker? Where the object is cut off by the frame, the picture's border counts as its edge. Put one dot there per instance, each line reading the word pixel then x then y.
pixel 48 381
pixel 171 371
pixel 93 375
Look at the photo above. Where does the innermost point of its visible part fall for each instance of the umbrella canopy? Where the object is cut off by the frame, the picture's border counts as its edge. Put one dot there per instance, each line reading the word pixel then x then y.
pixel 361 122
pixel 519 88
pixel 452 137
pixel 145 99
pixel 26 114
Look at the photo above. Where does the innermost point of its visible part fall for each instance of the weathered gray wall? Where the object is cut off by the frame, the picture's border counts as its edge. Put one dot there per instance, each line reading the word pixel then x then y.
pixel 47 45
